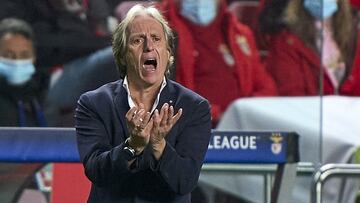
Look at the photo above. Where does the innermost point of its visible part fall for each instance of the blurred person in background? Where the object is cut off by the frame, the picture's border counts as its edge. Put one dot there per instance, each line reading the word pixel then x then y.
pixel 356 64
pixel 21 94
pixel 216 55
pixel 73 43
pixel 315 37
pixel 67 41
pixel 62 30
pixel 270 21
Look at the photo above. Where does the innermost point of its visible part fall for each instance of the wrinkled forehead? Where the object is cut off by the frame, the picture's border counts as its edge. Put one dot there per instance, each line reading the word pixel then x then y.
pixel 145 23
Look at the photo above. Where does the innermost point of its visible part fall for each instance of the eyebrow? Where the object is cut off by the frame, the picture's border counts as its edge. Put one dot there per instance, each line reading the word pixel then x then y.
pixel 144 34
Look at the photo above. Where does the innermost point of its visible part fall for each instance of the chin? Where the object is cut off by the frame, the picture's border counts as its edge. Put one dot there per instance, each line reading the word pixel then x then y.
pixel 149 80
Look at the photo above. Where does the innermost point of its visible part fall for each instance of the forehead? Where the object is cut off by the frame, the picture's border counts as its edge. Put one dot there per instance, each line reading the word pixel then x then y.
pixel 16 41
pixel 145 24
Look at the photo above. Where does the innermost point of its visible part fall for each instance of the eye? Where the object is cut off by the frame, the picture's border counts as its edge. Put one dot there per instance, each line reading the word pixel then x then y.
pixel 136 41
pixel 26 55
pixel 156 39
pixel 8 55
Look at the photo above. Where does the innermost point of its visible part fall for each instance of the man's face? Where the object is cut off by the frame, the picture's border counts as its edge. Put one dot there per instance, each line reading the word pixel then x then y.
pixel 147 55
pixel 16 47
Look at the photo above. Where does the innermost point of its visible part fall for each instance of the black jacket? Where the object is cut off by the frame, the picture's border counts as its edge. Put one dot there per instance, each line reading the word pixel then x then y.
pixel 101 132
pixel 29 94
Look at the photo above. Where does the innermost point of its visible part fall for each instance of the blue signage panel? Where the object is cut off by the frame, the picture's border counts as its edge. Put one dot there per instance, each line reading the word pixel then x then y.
pixel 252 147
pixel 38 145
pixel 59 145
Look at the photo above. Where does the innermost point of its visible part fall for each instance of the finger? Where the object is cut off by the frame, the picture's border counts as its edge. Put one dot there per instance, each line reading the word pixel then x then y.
pixel 156 118
pixel 129 115
pixel 131 112
pixel 165 117
pixel 162 110
pixel 177 116
pixel 147 117
pixel 141 113
pixel 144 119
pixel 138 116
pixel 170 114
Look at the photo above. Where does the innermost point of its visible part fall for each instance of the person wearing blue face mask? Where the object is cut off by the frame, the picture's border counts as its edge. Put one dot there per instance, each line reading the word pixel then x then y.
pixel 321 9
pixel 201 12
pixel 21 95
pixel 317 43
pixel 17 72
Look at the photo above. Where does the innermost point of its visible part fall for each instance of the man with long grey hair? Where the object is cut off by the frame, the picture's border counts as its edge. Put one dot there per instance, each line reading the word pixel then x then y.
pixel 142 138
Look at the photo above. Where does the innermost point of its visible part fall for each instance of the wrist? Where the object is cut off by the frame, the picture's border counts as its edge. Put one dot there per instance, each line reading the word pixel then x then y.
pixel 158 148
pixel 131 144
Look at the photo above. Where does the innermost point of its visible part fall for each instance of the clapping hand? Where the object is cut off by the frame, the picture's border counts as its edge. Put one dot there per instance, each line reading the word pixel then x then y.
pixel 139 127
pixel 162 124
pixel 144 128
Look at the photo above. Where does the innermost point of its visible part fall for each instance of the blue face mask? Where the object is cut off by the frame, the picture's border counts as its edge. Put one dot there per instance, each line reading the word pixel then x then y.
pixel 201 12
pixel 16 72
pixel 321 9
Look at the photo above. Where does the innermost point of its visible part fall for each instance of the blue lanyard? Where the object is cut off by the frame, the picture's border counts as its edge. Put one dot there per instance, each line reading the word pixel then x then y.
pixel 21 114
pixel 40 117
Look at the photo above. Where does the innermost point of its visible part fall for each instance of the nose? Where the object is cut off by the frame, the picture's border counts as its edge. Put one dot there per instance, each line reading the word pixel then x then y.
pixel 149 44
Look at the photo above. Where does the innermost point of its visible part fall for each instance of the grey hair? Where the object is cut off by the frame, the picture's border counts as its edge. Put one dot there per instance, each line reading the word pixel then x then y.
pixel 121 38
pixel 16 26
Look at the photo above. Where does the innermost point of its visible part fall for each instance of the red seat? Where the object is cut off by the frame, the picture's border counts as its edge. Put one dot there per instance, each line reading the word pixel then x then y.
pixel 70 184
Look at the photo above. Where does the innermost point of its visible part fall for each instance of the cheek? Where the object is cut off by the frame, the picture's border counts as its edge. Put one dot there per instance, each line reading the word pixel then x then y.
pixel 131 57
pixel 129 60
pixel 164 54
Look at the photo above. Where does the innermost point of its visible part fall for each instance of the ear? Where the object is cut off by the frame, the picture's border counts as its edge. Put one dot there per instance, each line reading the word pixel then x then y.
pixel 168 53
pixel 170 58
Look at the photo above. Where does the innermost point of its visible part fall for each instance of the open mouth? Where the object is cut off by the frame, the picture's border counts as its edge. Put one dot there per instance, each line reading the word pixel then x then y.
pixel 150 64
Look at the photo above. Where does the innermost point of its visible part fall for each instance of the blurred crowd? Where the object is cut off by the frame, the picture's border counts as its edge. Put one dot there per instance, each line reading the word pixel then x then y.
pixel 283 49
pixel 52 51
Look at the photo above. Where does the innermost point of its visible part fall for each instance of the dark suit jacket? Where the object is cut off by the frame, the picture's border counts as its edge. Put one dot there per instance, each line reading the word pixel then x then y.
pixel 101 132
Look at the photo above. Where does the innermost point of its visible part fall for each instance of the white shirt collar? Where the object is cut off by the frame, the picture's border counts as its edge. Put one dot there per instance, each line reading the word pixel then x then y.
pixel 131 101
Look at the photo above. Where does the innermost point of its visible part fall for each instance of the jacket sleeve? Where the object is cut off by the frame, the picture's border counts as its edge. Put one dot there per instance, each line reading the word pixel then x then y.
pixel 103 163
pixel 180 165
